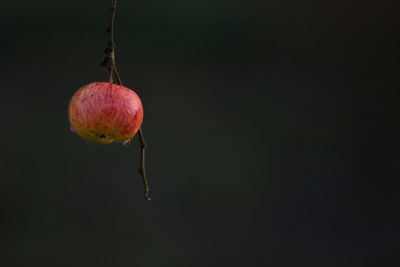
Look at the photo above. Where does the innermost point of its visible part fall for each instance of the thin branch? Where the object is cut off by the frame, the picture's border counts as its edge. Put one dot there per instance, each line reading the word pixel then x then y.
pixel 109 53
pixel 142 168
pixel 109 63
pixel 110 28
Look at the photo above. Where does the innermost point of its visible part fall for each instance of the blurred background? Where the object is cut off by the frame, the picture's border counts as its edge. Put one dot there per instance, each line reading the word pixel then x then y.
pixel 269 123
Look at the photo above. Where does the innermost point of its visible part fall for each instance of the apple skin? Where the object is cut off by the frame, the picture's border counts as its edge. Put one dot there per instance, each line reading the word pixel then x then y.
pixel 102 112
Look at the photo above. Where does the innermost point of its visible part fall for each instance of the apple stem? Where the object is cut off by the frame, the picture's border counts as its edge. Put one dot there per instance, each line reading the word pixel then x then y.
pixel 109 63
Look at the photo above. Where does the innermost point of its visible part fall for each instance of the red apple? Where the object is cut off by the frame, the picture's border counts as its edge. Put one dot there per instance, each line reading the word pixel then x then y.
pixel 103 112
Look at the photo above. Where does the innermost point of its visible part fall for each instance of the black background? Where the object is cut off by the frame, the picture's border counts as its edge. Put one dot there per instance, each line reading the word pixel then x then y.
pixel 270 127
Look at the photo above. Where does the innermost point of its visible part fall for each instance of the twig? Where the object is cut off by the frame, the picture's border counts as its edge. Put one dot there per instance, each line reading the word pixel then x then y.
pixel 109 63
pixel 142 168
pixel 109 53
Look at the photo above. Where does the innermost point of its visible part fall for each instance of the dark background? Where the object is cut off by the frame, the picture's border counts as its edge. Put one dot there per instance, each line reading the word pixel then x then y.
pixel 270 127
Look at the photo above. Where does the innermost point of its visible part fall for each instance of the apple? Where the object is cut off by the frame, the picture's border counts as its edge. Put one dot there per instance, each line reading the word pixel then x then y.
pixel 102 112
